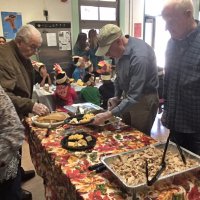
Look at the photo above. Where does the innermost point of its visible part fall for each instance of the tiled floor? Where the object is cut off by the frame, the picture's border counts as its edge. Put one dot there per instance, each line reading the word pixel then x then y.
pixel 35 185
pixel 158 131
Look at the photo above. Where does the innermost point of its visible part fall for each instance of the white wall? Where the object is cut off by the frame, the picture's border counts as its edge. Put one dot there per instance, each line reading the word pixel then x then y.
pixel 33 10
pixel 127 16
pixel 134 13
pixel 196 9
pixel 138 15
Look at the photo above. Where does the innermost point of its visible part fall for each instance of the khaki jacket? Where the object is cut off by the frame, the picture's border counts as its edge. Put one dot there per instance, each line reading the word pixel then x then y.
pixel 16 78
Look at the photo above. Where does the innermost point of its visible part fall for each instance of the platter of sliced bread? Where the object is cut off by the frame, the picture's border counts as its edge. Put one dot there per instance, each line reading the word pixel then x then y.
pixel 52 119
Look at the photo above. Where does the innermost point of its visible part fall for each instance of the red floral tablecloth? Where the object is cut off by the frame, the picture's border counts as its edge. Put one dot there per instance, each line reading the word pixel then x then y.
pixel 66 175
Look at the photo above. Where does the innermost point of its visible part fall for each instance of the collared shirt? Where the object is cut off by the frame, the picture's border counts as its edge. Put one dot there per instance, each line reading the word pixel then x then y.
pixel 11 138
pixel 136 74
pixel 182 84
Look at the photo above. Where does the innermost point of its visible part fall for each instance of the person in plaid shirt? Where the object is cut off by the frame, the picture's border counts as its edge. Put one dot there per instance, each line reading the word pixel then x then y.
pixel 182 75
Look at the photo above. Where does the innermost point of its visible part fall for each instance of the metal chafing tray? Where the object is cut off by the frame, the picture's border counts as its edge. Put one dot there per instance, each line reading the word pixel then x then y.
pixel 83 108
pixel 108 160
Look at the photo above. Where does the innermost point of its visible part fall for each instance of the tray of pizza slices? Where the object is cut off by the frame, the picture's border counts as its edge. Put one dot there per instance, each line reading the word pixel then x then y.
pixel 130 167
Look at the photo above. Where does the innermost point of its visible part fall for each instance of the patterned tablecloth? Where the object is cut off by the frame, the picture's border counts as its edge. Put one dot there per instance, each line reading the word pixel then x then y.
pixel 66 175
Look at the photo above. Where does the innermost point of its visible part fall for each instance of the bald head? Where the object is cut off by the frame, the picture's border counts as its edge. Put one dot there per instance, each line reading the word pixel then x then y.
pixel 180 5
pixel 178 15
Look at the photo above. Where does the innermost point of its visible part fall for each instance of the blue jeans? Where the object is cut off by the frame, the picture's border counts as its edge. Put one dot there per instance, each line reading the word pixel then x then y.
pixel 190 141
pixel 11 189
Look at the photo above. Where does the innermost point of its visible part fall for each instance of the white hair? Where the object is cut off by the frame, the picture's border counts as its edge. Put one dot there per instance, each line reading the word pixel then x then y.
pixel 26 32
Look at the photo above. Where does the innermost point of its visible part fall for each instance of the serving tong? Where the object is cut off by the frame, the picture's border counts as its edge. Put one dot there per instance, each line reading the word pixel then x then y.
pixel 163 163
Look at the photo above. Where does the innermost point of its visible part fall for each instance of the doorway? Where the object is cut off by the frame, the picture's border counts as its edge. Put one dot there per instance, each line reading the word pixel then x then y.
pixel 155 33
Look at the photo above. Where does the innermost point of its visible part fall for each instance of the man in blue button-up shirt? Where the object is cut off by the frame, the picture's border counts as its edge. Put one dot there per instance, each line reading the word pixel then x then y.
pixel 136 83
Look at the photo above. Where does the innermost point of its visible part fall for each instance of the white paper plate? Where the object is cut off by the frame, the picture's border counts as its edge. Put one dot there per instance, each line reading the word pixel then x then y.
pixel 46 125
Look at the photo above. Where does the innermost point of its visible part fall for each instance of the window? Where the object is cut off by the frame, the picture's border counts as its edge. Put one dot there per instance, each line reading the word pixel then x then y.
pixel 149 30
pixel 96 13
pixel 89 13
pixel 155 33
pixel 111 14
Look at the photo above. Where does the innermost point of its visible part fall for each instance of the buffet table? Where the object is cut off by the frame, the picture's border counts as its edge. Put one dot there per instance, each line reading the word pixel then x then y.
pixel 66 175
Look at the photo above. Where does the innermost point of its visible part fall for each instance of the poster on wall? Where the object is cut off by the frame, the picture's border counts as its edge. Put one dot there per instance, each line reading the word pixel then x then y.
pixel 137 30
pixel 64 40
pixel 11 22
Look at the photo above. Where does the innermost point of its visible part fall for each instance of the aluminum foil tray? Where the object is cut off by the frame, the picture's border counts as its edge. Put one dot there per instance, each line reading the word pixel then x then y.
pixel 83 108
pixel 108 160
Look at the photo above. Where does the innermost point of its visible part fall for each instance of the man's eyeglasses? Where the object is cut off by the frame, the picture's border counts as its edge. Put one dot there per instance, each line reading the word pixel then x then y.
pixel 32 47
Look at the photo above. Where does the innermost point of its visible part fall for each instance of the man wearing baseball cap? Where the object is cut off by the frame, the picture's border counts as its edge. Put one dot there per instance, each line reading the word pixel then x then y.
pixel 136 83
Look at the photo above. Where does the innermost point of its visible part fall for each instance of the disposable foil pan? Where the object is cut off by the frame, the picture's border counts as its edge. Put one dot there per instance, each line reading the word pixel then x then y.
pixel 108 160
pixel 83 108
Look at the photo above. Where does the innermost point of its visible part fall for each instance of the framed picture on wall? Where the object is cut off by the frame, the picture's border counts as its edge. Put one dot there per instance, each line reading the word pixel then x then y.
pixel 11 22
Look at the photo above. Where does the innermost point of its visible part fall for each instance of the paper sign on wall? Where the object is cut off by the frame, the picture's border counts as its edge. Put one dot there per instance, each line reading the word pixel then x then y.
pixel 137 30
pixel 51 39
